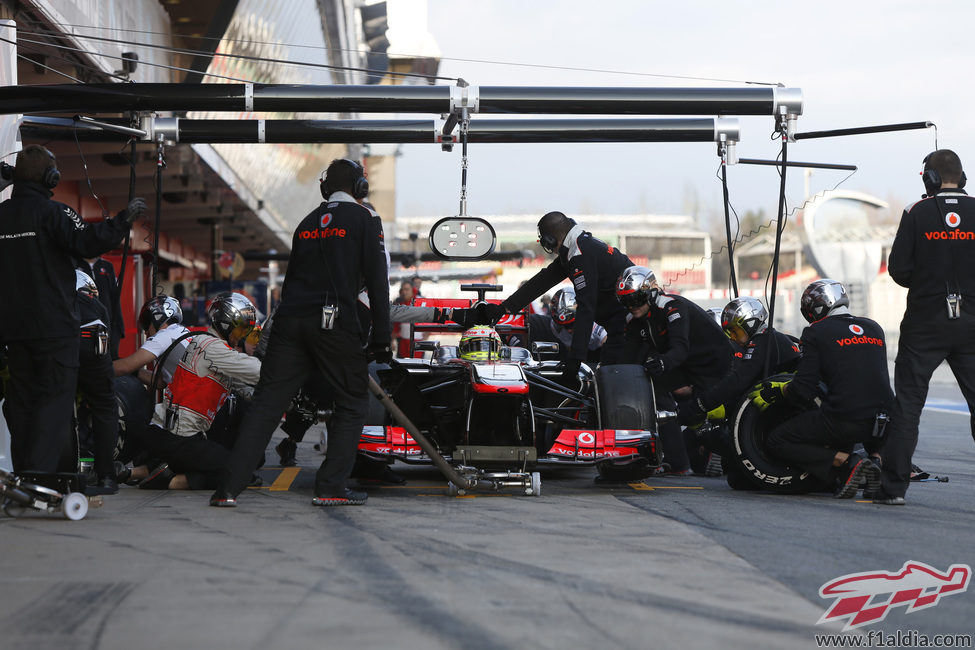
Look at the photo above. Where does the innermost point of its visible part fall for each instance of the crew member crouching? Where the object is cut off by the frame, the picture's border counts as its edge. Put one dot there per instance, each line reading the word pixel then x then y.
pixel 209 370
pixel 849 354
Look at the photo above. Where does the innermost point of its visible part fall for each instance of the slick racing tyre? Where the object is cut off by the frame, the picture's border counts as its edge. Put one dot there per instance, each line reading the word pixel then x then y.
pixel 625 401
pixel 752 462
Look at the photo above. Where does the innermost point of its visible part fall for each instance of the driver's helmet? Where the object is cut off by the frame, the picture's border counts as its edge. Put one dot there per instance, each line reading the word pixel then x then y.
pixel 159 311
pixel 232 316
pixel 480 343
pixel 746 313
pixel 564 307
pixel 84 283
pixel 637 286
pixel 821 297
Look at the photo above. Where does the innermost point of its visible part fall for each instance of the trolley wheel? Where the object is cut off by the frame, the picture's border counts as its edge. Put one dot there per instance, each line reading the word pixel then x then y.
pixel 454 491
pixel 74 506
pixel 536 488
pixel 13 509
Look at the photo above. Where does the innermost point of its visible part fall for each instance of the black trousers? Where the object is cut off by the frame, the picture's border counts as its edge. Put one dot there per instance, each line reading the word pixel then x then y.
pixel 201 459
pixel 298 346
pixel 40 404
pixel 614 349
pixel 810 440
pixel 96 382
pixel 924 344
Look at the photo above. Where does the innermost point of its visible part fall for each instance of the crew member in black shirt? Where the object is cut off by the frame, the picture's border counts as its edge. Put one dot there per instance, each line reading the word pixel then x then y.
pixel 593 267
pixel 96 383
pixel 745 322
pixel 933 255
pixel 109 294
pixel 334 249
pixel 677 343
pixel 849 354
pixel 38 240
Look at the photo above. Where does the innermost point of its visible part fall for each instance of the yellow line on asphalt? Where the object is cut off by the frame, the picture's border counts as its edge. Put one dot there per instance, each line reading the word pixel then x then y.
pixel 284 480
pixel 641 486
pixel 651 488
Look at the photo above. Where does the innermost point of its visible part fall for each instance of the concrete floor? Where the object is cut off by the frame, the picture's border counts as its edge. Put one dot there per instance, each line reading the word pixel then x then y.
pixel 667 563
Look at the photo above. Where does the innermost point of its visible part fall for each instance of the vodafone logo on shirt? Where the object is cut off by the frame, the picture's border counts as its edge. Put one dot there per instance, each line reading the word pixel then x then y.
pixel 323 231
pixel 953 219
pixel 856 329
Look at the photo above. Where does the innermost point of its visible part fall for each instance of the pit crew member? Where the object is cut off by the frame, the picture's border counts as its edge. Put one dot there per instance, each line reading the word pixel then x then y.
pixel 933 255
pixel 39 240
pixel 593 268
pixel 849 354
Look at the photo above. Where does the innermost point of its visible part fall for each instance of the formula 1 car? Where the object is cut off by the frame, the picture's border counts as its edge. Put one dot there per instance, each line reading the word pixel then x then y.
pixel 507 412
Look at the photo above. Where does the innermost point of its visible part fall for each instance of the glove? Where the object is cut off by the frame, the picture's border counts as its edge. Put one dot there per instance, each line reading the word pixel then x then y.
pixel 134 210
pixel 654 366
pixel 380 352
pixel 570 372
pixel 465 317
pixel 6 176
pixel 487 313
pixel 690 412
pixel 769 393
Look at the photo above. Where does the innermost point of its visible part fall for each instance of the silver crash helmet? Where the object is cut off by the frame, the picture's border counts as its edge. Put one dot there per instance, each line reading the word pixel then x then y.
pixel 159 311
pixel 747 314
pixel 637 286
pixel 83 282
pixel 232 316
pixel 821 297
pixel 564 307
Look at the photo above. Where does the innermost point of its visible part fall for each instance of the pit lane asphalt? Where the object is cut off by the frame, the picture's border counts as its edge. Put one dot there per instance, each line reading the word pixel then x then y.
pixel 688 563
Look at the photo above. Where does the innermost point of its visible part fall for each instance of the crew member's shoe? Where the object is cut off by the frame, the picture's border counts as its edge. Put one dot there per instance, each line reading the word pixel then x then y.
pixel 158 478
pixel 346 498
pixel 852 472
pixel 287 449
pixel 884 500
pixel 223 499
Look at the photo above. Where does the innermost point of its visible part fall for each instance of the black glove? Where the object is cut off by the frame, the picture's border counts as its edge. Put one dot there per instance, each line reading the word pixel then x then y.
pixel 380 352
pixel 6 176
pixel 134 210
pixel 487 313
pixel 654 366
pixel 690 411
pixel 570 372
pixel 465 317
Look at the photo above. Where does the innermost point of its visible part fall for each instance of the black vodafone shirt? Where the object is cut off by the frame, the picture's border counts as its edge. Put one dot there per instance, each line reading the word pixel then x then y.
pixel 336 250
pixel 748 368
pixel 694 349
pixel 934 252
pixel 849 354
pixel 593 267
pixel 39 240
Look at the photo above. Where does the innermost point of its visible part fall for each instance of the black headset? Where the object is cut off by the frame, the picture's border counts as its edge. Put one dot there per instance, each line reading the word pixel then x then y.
pixel 548 241
pixel 932 179
pixel 360 185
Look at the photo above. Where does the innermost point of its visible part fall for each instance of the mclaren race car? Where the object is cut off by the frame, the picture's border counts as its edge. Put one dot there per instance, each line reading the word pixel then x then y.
pixel 487 405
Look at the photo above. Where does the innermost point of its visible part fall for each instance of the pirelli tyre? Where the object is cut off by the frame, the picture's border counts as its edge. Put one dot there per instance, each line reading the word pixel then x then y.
pixel 625 401
pixel 752 465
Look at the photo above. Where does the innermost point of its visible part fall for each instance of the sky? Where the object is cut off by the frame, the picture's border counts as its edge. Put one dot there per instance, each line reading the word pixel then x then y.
pixel 858 63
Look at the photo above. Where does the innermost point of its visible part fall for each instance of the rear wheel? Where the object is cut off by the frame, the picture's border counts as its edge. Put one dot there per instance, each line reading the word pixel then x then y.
pixel 752 427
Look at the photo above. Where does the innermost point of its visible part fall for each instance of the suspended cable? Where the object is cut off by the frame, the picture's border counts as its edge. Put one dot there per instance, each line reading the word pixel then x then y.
pixel 246 57
pixel 113 56
pixel 442 58
pixel 60 57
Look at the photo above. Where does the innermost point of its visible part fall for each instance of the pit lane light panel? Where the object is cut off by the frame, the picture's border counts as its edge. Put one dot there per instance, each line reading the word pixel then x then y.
pixel 462 238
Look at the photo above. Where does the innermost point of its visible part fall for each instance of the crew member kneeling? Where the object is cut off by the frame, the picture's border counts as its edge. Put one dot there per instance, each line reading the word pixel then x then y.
pixel 849 354
pixel 203 380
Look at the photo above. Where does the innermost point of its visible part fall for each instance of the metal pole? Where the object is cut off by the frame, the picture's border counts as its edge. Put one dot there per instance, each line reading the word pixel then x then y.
pixel 115 98
pixel 405 131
